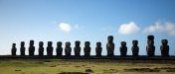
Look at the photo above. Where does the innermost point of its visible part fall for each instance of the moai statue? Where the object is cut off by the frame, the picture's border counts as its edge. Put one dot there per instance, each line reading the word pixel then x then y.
pixel 22 49
pixel 164 48
pixel 135 48
pixel 77 48
pixel 123 49
pixel 59 49
pixel 31 48
pixel 49 49
pixel 110 46
pixel 87 49
pixel 13 50
pixel 150 48
pixel 41 48
pixel 68 49
pixel 98 49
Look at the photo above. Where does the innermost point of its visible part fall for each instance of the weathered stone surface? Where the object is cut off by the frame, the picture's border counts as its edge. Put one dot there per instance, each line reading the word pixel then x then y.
pixel 150 48
pixel 59 49
pixel 98 49
pixel 13 50
pixel 77 48
pixel 164 48
pixel 68 49
pixel 49 49
pixel 31 48
pixel 123 49
pixel 22 48
pixel 135 48
pixel 41 48
pixel 110 46
pixel 87 49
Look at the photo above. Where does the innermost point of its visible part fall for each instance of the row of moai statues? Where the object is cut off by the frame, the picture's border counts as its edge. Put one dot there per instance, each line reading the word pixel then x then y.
pixel 110 46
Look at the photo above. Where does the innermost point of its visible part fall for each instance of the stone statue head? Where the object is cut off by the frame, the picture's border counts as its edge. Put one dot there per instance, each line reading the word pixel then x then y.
pixel 87 44
pixel 98 44
pixel 110 38
pixel 68 44
pixel 22 44
pixel 164 42
pixel 77 43
pixel 135 42
pixel 31 42
pixel 123 43
pixel 41 44
pixel 49 43
pixel 59 44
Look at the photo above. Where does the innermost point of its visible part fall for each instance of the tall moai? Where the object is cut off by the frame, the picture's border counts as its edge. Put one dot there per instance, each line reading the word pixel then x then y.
pixel 110 46
pixel 135 48
pixel 59 49
pixel 87 49
pixel 68 49
pixel 123 49
pixel 22 48
pixel 98 49
pixel 41 48
pixel 31 48
pixel 49 49
pixel 77 48
pixel 13 50
pixel 150 48
pixel 164 48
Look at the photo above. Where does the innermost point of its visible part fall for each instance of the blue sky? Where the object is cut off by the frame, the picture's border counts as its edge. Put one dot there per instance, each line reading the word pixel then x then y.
pixel 86 20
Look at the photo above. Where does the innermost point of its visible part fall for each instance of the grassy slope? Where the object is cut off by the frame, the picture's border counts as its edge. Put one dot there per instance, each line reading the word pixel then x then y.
pixel 56 66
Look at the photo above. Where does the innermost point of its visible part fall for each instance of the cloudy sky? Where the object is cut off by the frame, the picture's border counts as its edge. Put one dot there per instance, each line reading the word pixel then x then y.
pixel 86 20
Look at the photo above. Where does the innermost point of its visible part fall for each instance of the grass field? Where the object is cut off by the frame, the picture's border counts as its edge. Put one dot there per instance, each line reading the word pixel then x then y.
pixel 85 66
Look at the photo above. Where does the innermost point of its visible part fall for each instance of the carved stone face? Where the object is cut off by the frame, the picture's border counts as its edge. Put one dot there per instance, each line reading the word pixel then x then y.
pixel 59 44
pixel 135 42
pixel 110 38
pixel 31 42
pixel 49 43
pixel 13 45
pixel 22 43
pixel 41 44
pixel 87 44
pixel 164 42
pixel 123 43
pixel 77 43
pixel 68 44
pixel 150 37
pixel 98 44
pixel 150 42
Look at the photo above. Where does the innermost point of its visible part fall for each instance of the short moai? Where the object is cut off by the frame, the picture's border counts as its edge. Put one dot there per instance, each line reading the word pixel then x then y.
pixel 150 48
pixel 110 47
pixel 31 48
pixel 98 49
pixel 68 49
pixel 13 50
pixel 87 49
pixel 41 49
pixel 22 48
pixel 123 49
pixel 49 49
pixel 59 49
pixel 77 48
pixel 164 48
pixel 135 48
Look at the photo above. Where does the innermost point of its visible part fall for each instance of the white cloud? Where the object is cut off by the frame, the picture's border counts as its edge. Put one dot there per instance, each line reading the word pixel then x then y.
pixel 65 27
pixel 159 27
pixel 128 28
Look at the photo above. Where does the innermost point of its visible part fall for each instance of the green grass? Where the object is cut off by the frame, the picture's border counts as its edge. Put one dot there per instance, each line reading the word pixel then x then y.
pixel 98 66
